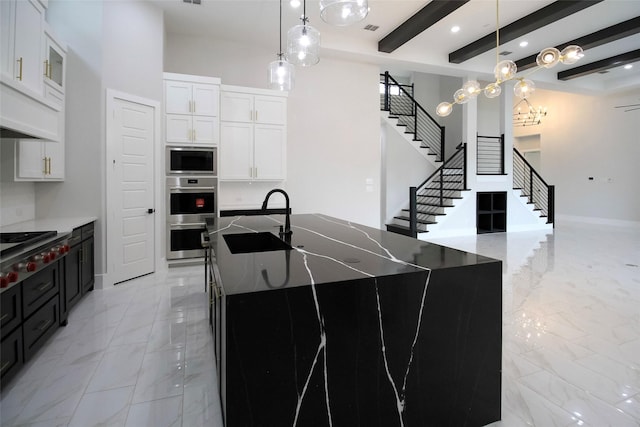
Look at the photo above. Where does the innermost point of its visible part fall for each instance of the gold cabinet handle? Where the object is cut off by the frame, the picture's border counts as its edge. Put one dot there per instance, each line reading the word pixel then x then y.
pixel 49 165
pixel 43 286
pixel 46 68
pixel 44 170
pixel 43 325
pixel 20 69
pixel 256 115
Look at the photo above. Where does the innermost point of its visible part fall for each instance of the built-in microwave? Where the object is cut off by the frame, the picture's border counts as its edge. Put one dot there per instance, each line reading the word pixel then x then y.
pixel 192 161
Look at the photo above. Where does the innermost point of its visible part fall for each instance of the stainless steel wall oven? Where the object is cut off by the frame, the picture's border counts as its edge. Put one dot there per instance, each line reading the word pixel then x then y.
pixel 189 201
pixel 191 161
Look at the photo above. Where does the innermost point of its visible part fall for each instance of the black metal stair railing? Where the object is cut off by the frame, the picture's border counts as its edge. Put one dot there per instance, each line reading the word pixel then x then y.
pixel 400 103
pixel 444 184
pixel 490 155
pixel 531 184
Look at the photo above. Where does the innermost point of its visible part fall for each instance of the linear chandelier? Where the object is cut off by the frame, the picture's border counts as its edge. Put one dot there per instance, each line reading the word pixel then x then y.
pixel 530 117
pixel 506 70
pixel 281 72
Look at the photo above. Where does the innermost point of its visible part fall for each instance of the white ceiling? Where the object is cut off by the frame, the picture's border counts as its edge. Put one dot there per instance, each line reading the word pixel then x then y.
pixel 256 22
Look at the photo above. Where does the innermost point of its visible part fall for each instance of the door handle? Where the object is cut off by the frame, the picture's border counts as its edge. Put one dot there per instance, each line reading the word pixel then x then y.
pixel 150 210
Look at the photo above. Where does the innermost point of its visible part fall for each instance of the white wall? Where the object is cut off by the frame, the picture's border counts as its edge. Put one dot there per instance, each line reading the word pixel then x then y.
pixel 333 138
pixel 17 199
pixel 585 136
pixel 115 45
pixel 404 168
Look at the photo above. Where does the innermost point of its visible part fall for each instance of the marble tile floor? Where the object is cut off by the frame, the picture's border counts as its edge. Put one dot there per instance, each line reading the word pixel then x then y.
pixel 140 354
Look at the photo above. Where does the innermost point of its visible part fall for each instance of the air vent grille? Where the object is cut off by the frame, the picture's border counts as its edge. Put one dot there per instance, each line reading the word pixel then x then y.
pixel 505 53
pixel 192 1
pixel 370 27
pixel 603 72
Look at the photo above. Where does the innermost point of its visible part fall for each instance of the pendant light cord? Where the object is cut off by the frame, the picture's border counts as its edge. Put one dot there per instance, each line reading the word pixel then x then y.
pixel 497 32
pixel 280 33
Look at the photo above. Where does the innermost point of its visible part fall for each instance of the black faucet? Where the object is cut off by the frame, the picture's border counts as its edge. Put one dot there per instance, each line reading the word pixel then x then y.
pixel 287 223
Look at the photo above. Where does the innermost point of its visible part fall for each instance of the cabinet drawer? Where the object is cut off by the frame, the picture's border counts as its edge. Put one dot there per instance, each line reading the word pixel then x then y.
pixel 10 356
pixel 10 310
pixel 87 231
pixel 37 289
pixel 39 327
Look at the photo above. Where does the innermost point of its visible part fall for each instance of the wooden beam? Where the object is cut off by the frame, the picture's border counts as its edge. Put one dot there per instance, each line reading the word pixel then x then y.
pixel 433 12
pixel 538 19
pixel 597 66
pixel 604 36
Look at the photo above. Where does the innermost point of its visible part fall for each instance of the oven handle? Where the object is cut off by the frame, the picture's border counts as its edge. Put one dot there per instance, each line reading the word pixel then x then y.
pixel 188 224
pixel 192 188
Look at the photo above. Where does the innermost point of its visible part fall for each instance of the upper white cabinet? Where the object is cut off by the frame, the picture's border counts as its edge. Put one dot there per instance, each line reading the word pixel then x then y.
pixel 54 62
pixel 39 160
pixel 250 108
pixel 22 34
pixel 253 134
pixel 31 70
pixel 191 109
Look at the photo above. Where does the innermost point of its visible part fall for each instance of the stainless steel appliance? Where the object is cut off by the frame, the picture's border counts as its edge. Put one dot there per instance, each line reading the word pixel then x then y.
pixel 189 201
pixel 192 161
pixel 22 254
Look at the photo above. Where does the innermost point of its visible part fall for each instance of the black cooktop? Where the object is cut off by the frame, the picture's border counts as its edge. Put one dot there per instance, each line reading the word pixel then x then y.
pixel 15 241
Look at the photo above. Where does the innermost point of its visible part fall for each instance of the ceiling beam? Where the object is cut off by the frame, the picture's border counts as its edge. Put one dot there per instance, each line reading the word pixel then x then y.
pixel 538 19
pixel 604 36
pixel 597 66
pixel 420 21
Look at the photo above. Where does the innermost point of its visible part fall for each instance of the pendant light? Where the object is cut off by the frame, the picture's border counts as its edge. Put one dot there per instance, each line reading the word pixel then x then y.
pixel 281 72
pixel 343 12
pixel 506 70
pixel 303 42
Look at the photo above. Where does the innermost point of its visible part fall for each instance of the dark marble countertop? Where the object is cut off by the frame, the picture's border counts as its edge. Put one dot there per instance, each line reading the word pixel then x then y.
pixel 324 250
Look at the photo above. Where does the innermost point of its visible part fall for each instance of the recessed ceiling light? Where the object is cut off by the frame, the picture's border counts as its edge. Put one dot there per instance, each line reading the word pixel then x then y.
pixel 524 43
pixel 628 66
pixel 295 3
pixel 455 29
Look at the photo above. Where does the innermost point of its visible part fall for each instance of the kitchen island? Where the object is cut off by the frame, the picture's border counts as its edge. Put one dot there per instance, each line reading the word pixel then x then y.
pixel 352 326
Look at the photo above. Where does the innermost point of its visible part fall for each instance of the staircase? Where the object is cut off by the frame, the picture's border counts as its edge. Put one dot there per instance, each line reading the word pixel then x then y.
pixel 437 195
pixel 532 187
pixel 398 101
pixel 431 199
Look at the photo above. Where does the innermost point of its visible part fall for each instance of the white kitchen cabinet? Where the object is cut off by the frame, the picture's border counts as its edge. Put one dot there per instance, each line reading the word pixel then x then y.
pixel 196 130
pixel 54 63
pixel 22 35
pixel 38 160
pixel 252 152
pixel 248 108
pixel 253 134
pixel 191 109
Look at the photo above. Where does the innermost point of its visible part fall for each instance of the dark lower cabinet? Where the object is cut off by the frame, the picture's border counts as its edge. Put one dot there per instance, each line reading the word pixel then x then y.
pixel 11 355
pixel 79 271
pixel 39 327
pixel 32 310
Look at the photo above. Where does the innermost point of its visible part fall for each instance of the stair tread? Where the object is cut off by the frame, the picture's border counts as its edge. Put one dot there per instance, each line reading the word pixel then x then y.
pixel 426 213
pixel 420 221
pixel 400 229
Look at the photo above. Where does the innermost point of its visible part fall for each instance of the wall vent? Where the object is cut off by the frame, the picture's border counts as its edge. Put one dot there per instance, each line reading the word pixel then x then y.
pixel 192 1
pixel 370 27
pixel 603 72
pixel 505 53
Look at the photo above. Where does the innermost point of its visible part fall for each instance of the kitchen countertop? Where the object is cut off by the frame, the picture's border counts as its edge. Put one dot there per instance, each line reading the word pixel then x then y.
pixel 61 225
pixel 325 250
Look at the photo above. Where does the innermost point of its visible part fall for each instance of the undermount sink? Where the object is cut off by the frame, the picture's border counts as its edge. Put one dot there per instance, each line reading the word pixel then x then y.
pixel 245 243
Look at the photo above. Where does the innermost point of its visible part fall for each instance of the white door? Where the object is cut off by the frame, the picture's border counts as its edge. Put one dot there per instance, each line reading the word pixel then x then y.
pixel 236 151
pixel 269 152
pixel 130 208
pixel 205 100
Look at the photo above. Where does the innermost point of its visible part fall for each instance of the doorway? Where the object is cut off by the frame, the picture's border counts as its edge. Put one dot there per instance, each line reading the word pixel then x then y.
pixel 132 135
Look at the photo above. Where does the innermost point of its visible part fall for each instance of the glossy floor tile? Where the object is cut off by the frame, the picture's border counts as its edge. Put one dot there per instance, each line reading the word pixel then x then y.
pixel 140 354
